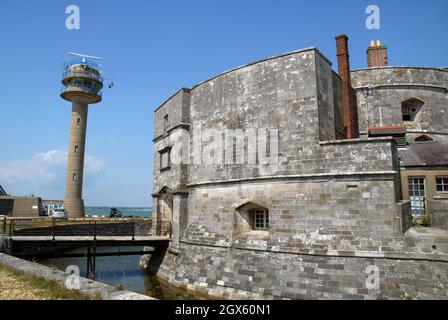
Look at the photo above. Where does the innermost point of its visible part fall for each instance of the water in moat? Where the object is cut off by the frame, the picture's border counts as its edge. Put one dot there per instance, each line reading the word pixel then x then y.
pixel 122 271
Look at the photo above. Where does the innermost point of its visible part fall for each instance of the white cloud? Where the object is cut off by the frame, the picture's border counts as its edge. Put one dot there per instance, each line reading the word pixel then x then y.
pixel 43 170
pixel 53 157
pixel 93 165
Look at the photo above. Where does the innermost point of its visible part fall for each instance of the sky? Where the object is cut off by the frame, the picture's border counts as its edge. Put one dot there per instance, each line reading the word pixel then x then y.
pixel 150 49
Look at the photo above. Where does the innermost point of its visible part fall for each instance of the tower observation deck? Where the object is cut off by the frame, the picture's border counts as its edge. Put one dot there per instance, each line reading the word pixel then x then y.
pixel 82 82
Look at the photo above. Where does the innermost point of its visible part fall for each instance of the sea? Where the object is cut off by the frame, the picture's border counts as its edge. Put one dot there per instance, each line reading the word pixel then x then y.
pixel 126 211
pixel 123 271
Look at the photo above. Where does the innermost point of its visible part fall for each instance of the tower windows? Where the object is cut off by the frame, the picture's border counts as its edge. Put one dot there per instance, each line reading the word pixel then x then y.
pixel 410 109
pixel 78 122
pixel 76 149
pixel 75 177
pixel 165 124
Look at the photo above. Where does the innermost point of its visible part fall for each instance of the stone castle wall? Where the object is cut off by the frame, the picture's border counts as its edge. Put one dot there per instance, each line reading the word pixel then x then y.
pixel 390 86
pixel 334 205
pixel 258 274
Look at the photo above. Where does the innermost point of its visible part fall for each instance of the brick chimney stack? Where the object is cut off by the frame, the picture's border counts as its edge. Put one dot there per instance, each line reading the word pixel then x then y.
pixel 350 110
pixel 376 55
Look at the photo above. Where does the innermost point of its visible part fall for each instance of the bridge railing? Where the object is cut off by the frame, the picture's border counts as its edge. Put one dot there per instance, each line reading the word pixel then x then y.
pixel 11 226
pixel 76 227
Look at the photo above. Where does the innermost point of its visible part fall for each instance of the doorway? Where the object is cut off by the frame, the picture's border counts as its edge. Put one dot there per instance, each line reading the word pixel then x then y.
pixel 417 195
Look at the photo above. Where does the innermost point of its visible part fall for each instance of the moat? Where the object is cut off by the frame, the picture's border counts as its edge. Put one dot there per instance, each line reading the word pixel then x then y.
pixel 124 271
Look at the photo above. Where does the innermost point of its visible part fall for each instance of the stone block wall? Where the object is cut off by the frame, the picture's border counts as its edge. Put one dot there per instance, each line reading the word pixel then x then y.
pixel 439 213
pixel 177 110
pixel 232 273
pixel 334 205
pixel 328 207
pixel 390 86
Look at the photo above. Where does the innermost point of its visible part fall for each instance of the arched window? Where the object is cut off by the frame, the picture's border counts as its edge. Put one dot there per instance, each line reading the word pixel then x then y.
pixel 78 122
pixel 410 109
pixel 76 149
pixel 75 177
pixel 423 138
pixel 251 216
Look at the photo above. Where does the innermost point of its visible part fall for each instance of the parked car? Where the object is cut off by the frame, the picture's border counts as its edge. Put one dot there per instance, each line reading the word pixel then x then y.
pixel 59 213
pixel 115 213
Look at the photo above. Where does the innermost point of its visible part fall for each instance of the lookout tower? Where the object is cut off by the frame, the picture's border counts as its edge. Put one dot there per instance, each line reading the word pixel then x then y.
pixel 82 82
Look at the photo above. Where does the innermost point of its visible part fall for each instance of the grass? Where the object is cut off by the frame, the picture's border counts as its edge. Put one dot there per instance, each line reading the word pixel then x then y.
pixel 15 285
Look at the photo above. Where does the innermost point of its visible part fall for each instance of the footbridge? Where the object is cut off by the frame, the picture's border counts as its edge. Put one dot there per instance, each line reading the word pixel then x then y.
pixel 47 237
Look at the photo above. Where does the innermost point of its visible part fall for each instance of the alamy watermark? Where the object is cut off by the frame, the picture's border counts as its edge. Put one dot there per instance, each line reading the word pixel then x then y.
pixel 73 21
pixel 373 20
pixel 373 277
pixel 226 147
pixel 73 281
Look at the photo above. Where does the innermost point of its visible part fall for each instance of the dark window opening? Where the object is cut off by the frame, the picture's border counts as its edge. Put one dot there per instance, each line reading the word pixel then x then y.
pixel 76 149
pixel 165 124
pixel 442 184
pixel 260 219
pixel 423 139
pixel 75 177
pixel 410 109
pixel 78 122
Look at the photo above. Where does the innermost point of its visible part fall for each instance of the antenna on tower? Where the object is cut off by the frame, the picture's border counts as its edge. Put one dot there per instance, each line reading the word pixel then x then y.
pixel 83 56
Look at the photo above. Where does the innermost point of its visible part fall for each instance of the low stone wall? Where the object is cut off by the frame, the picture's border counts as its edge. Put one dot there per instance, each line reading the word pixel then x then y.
pixel 91 288
pixel 238 273
pixel 141 228
pixel 439 214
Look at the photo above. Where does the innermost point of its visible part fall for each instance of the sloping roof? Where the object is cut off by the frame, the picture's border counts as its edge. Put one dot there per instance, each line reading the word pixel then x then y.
pixel 424 154
pixel 2 192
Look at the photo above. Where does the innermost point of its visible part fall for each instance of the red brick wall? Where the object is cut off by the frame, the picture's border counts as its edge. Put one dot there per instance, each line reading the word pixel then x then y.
pixel 349 105
pixel 377 56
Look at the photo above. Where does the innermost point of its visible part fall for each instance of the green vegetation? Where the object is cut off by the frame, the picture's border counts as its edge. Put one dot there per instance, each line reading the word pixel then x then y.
pixel 422 221
pixel 16 285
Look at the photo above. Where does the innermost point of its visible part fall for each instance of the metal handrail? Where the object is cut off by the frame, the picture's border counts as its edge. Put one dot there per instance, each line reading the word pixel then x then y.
pixel 82 61
pixel 78 74
pixel 127 227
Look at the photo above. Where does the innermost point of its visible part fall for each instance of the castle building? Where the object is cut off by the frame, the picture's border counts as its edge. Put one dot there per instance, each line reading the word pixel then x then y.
pixel 409 103
pixel 283 178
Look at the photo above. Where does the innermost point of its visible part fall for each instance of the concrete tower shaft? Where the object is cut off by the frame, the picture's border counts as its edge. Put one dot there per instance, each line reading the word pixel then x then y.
pixel 82 86
pixel 75 165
